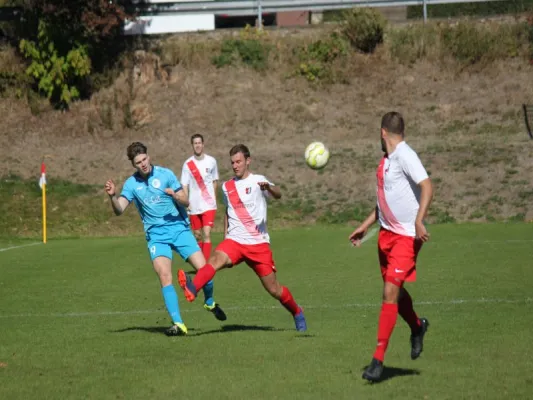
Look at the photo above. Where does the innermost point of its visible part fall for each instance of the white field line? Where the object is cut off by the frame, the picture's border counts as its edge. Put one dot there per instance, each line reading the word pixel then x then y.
pixel 18 247
pixel 527 300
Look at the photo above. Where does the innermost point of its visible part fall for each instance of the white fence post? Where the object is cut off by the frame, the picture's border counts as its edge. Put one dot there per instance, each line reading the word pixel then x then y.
pixel 260 14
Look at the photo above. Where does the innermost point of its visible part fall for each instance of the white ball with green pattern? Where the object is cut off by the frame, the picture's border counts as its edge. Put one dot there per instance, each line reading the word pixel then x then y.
pixel 316 155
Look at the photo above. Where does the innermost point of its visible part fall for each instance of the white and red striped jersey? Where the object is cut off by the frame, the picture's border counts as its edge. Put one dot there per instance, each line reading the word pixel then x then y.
pixel 246 209
pixel 199 175
pixel 398 192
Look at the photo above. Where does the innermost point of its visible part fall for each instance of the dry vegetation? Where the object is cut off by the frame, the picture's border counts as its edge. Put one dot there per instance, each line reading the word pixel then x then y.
pixel 463 118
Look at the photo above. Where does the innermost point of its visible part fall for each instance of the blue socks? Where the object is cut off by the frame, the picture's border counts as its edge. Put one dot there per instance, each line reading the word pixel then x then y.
pixel 171 302
pixel 208 293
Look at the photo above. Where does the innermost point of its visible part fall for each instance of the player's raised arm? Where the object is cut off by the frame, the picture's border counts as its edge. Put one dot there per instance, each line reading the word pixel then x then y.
pixel 273 190
pixel 119 204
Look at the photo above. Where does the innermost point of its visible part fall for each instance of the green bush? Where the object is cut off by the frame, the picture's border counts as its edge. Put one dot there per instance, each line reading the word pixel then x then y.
pixel 251 52
pixel 315 59
pixel 57 77
pixel 470 43
pixel 364 28
pixel 65 41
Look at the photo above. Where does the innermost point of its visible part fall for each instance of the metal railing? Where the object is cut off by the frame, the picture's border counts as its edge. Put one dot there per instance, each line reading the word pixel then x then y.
pixel 257 7
pixel 246 7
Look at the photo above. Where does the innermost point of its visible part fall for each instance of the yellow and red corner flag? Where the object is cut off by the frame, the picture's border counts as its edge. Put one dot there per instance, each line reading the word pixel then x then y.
pixel 42 184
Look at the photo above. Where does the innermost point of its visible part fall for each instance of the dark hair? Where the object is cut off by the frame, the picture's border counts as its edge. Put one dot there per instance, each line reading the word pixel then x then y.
pixel 135 149
pixel 392 122
pixel 197 136
pixel 240 148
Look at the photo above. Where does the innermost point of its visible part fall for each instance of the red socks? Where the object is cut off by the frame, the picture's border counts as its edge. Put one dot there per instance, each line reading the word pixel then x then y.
pixel 406 311
pixel 204 275
pixel 288 302
pixel 387 320
pixel 206 249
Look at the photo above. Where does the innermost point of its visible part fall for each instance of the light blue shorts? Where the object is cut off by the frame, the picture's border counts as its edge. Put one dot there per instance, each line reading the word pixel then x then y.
pixel 180 239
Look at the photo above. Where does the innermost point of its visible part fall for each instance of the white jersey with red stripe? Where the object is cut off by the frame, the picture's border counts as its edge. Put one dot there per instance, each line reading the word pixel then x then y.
pixel 398 176
pixel 246 209
pixel 199 175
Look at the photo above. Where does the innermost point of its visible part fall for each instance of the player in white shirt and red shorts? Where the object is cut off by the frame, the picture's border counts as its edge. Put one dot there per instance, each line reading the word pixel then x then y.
pixel 199 178
pixel 246 236
pixel 404 193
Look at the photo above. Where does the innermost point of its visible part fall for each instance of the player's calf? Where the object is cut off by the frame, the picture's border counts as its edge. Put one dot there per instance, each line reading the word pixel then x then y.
pixel 283 294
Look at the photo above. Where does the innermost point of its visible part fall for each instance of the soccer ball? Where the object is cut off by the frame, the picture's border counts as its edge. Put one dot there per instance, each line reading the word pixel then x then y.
pixel 316 155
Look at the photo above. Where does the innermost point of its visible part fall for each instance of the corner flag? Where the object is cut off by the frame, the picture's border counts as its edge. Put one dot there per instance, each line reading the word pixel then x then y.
pixel 42 185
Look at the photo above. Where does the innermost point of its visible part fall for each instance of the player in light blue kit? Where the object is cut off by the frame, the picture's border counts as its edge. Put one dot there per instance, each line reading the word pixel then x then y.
pixel 161 202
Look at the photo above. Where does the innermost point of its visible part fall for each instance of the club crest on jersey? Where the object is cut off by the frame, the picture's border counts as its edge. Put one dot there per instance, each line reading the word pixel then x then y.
pixel 248 190
pixel 207 170
pixel 156 183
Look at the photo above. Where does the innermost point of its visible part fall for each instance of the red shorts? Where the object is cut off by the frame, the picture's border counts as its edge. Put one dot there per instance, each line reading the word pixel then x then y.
pixel 198 221
pixel 257 256
pixel 397 257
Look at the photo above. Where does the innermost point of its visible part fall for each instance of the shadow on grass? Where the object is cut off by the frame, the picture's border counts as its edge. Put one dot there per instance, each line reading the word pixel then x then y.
pixel 151 329
pixel 239 328
pixel 195 332
pixel 393 372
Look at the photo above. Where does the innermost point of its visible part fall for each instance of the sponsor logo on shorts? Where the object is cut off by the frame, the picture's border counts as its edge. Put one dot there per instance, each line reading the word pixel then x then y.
pixel 398 271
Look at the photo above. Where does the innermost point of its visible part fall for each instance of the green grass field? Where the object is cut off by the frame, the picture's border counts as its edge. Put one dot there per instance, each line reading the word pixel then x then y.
pixel 84 319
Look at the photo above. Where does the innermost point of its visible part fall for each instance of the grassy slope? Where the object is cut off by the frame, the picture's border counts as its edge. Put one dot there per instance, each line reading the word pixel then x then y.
pixel 465 122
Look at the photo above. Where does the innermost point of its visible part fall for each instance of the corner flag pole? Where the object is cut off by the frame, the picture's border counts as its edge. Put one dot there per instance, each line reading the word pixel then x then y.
pixel 42 184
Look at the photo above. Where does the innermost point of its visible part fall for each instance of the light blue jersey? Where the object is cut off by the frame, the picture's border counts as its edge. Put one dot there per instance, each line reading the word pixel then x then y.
pixel 156 208
pixel 166 223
